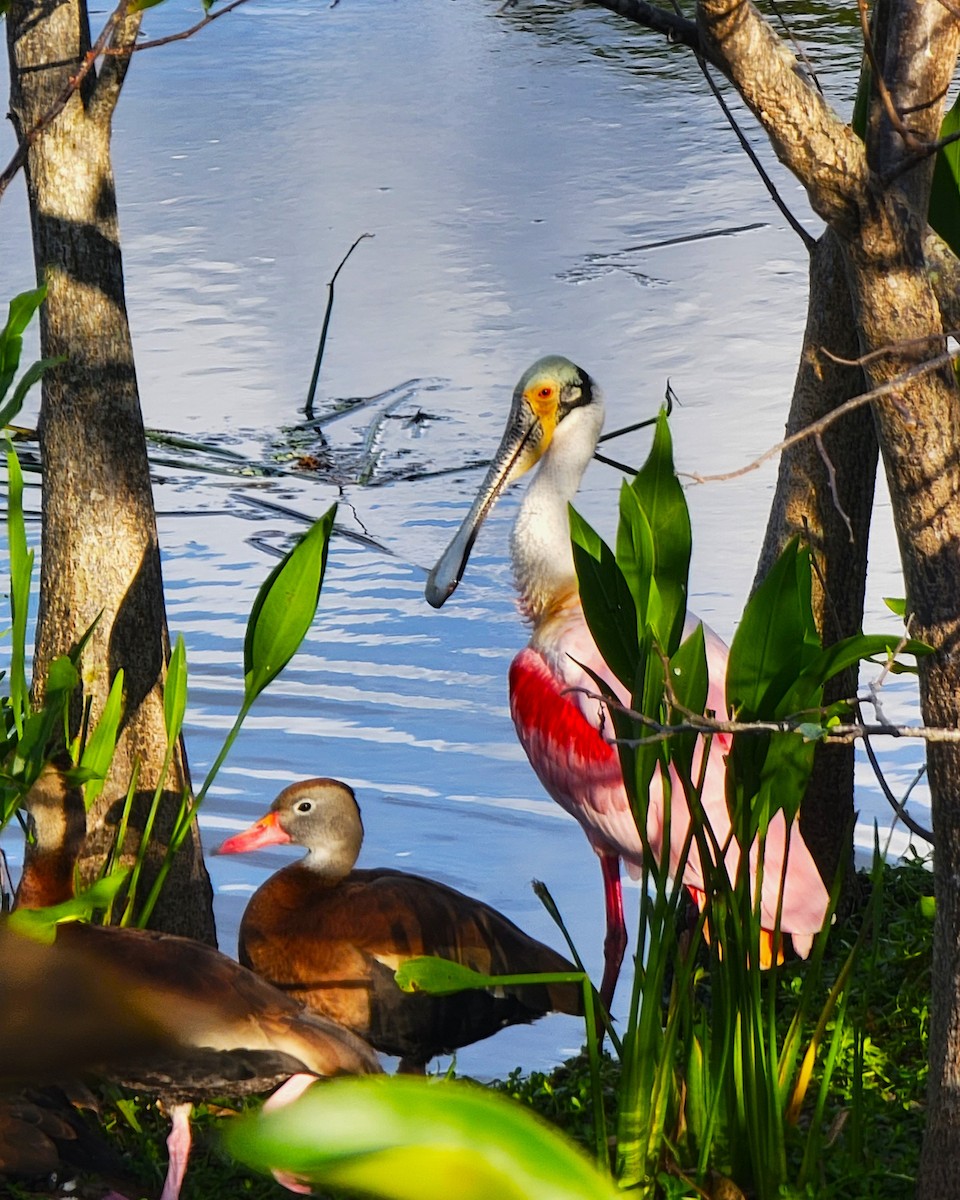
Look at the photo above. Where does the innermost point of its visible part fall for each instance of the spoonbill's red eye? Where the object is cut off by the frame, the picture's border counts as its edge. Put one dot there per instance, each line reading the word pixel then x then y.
pixel 545 392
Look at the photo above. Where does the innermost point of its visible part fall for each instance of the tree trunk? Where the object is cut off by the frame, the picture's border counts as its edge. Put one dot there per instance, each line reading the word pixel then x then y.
pixel 817 501
pixel 99 552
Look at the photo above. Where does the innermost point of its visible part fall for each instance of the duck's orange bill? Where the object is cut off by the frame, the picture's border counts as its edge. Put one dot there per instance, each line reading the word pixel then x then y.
pixel 266 832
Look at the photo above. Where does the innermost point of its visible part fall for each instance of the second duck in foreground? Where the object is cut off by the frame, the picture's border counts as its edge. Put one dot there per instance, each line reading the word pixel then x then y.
pixel 333 936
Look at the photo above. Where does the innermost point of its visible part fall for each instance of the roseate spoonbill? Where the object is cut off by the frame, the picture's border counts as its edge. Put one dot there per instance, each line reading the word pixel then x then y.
pixel 555 420
pixel 225 1030
pixel 334 936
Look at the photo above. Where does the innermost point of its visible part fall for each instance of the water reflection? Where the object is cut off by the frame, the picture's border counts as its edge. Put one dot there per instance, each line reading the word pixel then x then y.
pixel 527 173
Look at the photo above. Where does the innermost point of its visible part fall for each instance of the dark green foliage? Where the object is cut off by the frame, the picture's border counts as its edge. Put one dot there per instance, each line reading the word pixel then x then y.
pixel 879 1085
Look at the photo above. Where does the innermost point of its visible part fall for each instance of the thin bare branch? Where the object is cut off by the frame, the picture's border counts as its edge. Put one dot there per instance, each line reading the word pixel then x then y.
pixel 314 378
pixel 9 172
pixel 909 138
pixel 817 427
pixel 832 480
pixel 115 42
pixel 898 806
pixel 840 734
pixel 176 37
pixel 805 237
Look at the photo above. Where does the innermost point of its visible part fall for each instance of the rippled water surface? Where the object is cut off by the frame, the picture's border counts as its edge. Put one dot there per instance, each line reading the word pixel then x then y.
pixel 536 180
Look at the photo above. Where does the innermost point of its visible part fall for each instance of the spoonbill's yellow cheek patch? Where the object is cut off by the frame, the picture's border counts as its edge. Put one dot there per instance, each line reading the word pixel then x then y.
pixel 544 399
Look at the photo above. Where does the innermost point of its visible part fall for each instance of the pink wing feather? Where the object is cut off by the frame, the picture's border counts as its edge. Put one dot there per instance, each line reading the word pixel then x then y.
pixel 565 731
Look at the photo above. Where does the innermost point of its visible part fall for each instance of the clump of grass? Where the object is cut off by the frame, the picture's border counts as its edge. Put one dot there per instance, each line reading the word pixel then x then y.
pixel 876 1114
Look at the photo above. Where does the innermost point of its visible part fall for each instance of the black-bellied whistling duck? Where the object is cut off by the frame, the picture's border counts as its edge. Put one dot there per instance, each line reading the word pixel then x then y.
pixel 226 1030
pixel 334 936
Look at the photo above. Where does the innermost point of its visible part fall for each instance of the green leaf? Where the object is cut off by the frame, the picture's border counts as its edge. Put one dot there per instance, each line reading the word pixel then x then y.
pixel 285 607
pixel 141 5
pixel 608 605
pixel 175 691
pixel 636 557
pixel 22 308
pixel 417 1139
pixel 690 683
pixel 21 573
pixel 776 638
pixel 659 494
pixel 896 604
pixel 812 732
pixel 98 752
pixel 41 923
pixel 944 211
pixel 806 691
pixel 62 678
pixel 928 907
pixel 438 976
pixel 12 407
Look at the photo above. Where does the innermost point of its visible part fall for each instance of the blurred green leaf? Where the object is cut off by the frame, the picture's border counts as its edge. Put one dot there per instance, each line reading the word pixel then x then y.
pixel 41 923
pixel 896 604
pixel 443 977
pixel 417 1139
pixel 285 607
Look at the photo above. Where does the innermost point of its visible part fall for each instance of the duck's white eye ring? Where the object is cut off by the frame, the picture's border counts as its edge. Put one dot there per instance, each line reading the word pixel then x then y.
pixel 304 806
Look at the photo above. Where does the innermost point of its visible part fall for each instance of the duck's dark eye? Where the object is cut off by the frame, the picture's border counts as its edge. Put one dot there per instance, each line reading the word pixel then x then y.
pixel 304 806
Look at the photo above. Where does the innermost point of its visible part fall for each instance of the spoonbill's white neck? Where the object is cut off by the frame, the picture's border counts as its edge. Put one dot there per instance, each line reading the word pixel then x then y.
pixel 540 543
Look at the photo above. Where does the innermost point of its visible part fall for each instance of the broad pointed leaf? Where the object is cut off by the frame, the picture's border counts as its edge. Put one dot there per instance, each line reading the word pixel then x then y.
pixel 607 603
pixel 100 747
pixel 284 608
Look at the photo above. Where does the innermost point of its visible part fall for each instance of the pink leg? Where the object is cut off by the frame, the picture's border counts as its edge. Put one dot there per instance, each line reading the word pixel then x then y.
pixel 178 1149
pixel 292 1090
pixel 287 1092
pixel 615 942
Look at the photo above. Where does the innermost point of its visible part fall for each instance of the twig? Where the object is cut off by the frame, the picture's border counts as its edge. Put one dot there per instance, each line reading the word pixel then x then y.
pixel 312 390
pixel 901 347
pixel 177 37
pixel 100 48
pixel 56 108
pixel 808 240
pixel 815 428
pixel 832 481
pixel 898 806
pixel 910 139
pixel 838 734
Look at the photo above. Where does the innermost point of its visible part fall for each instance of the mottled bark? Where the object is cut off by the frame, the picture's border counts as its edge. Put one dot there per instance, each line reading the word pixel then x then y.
pixel 99 553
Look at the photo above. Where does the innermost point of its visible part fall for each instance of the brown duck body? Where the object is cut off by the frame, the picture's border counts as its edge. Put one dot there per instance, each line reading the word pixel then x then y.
pixel 236 1034
pixel 334 941
pixel 196 1023
pixel 336 948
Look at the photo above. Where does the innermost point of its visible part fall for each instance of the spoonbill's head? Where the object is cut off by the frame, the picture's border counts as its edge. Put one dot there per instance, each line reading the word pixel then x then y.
pixel 547 394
